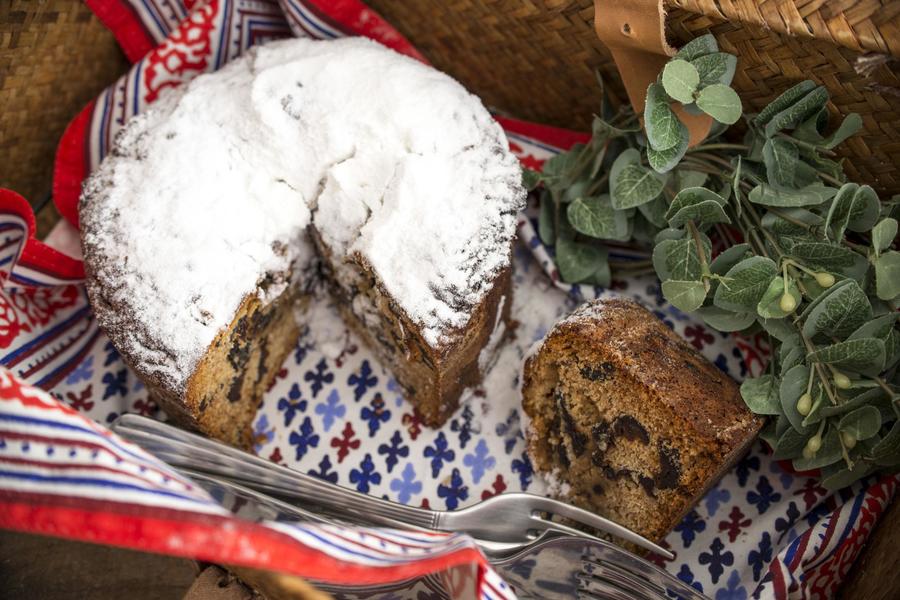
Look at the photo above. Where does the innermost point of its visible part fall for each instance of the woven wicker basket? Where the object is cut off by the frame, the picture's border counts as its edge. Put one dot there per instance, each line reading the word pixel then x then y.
pixel 531 58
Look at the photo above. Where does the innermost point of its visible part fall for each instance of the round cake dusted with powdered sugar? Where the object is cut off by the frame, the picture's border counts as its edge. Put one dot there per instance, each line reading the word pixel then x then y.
pixel 205 225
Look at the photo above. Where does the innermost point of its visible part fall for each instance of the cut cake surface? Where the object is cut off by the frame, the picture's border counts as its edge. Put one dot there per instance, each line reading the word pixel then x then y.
pixel 196 227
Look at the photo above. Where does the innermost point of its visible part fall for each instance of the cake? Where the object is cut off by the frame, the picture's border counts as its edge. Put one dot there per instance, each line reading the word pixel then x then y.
pixel 628 420
pixel 220 208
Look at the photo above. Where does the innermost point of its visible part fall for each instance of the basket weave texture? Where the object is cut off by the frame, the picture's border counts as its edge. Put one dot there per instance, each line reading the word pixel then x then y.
pixel 536 58
pixel 55 56
pixel 531 58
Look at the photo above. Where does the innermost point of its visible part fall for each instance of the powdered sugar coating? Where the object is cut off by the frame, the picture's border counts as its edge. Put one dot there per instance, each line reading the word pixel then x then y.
pixel 209 193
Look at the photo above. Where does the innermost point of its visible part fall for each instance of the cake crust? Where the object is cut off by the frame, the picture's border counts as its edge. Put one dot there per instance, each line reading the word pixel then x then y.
pixel 631 420
pixel 196 226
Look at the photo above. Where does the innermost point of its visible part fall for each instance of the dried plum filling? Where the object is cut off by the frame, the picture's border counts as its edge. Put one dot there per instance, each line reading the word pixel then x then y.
pixel 577 440
pixel 623 432
pixel 600 372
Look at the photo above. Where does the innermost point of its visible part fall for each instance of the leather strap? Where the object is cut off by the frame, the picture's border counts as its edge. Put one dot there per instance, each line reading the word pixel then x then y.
pixel 635 33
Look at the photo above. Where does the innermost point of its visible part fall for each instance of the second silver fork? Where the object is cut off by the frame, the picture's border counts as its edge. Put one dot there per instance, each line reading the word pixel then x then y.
pixel 553 567
pixel 511 517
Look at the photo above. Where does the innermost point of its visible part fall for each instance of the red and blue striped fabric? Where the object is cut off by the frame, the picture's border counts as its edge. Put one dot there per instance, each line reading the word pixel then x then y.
pixel 62 474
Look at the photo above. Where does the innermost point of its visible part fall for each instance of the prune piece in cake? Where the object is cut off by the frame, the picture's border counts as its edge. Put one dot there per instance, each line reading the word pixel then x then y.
pixel 632 418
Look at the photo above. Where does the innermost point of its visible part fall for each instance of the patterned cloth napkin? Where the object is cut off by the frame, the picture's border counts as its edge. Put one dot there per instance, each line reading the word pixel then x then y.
pixel 333 411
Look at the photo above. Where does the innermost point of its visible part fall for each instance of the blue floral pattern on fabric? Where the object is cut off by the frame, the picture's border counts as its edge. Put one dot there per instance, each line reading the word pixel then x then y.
pixel 291 404
pixel 479 461
pixel 331 410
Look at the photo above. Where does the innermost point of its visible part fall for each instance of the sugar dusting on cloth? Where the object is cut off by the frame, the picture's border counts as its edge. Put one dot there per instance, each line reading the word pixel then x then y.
pixel 209 193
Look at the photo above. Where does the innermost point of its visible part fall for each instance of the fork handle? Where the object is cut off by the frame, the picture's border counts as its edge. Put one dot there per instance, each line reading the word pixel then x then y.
pixel 184 449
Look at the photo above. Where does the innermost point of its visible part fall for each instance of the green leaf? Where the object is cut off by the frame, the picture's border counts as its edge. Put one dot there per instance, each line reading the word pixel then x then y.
pixel 595 217
pixel 837 476
pixel 811 129
pixel 790 233
pixel 703 214
pixel 699 46
pixel 728 258
pixel 575 190
pixel 558 169
pixel 829 453
pixel 664 161
pixel 629 156
pixel 855 208
pixel 530 179
pixel 768 433
pixel 698 204
pixel 887 275
pixel 690 196
pixel 717 67
pixel 769 305
pixel 884 233
pixel 686 296
pixel 655 211
pixel 577 261
pixel 831 258
pixel 793 357
pixel 874 397
pixel 815 413
pixel 634 186
pixel 602 133
pixel 790 444
pixel 887 451
pixel 725 320
pixel 680 79
pixel 760 394
pixel 863 355
pixel 849 126
pixel 680 259
pixel 839 212
pixel 602 130
pixel 669 234
pixel 793 385
pixel 862 423
pixel 883 328
pixel 745 283
pixel 838 312
pixel 780 329
pixel 602 276
pixel 807 196
pixel 564 229
pixel 879 327
pixel 547 220
pixel 685 178
pixel 785 100
pixel 642 230
pixel 630 183
pixel 805 174
pixel 797 112
pixel 664 129
pixel 720 102
pixel 780 157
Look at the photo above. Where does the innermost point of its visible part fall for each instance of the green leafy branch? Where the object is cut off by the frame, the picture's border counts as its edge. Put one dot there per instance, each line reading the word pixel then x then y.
pixel 808 257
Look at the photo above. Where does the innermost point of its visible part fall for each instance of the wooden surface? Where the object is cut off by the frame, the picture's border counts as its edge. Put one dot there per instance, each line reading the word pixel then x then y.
pixel 42 568
pixel 876 574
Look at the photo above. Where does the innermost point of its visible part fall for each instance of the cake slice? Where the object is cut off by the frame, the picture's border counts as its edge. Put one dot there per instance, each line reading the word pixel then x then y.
pixel 630 420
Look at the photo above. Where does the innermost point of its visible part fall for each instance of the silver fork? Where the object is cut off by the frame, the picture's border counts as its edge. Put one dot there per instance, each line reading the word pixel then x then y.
pixel 510 517
pixel 552 567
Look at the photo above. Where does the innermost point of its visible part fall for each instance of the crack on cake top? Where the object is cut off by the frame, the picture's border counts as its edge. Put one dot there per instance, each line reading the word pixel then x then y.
pixel 392 161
